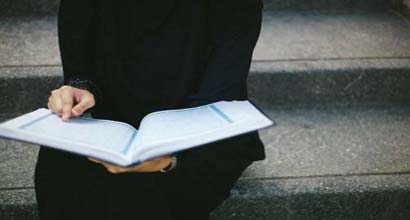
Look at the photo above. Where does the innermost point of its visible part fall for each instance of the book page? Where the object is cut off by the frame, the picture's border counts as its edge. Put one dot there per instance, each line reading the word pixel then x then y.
pixel 170 131
pixel 168 125
pixel 160 132
pixel 103 134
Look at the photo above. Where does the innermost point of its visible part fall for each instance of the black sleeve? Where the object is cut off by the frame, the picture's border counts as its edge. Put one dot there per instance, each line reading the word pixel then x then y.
pixel 233 29
pixel 76 34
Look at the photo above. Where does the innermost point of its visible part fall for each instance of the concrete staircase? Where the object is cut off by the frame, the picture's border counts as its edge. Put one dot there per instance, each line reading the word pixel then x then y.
pixel 335 76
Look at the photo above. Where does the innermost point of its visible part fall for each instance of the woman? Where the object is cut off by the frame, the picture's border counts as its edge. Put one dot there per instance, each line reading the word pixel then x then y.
pixel 124 59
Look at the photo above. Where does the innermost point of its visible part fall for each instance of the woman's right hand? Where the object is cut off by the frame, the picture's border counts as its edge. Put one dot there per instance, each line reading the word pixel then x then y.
pixel 68 101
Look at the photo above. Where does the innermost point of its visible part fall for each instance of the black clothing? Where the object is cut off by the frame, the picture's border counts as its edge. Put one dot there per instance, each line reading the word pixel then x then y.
pixel 71 187
pixel 146 56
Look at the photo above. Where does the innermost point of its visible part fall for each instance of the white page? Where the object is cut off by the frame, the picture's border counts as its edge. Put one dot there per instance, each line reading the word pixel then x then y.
pixel 171 124
pixel 162 132
pixel 209 123
pixel 103 134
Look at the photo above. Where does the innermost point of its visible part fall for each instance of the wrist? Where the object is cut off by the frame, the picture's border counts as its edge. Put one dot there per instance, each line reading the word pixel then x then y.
pixel 85 84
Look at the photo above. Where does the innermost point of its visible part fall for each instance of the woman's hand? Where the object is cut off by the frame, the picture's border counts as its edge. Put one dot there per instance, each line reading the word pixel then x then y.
pixel 68 101
pixel 152 165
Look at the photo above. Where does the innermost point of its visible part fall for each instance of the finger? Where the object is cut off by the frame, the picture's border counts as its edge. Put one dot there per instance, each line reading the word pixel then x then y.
pixel 94 160
pixel 111 168
pixel 50 99
pixel 55 103
pixel 115 169
pixel 86 102
pixel 152 165
pixel 67 102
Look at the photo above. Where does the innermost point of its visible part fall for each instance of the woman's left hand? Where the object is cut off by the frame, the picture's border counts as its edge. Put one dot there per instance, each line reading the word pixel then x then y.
pixel 152 165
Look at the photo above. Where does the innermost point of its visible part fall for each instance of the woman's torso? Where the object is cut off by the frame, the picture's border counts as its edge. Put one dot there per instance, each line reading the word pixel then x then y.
pixel 149 56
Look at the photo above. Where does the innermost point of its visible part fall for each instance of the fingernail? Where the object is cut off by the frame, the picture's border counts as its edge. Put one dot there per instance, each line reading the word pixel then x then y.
pixel 65 117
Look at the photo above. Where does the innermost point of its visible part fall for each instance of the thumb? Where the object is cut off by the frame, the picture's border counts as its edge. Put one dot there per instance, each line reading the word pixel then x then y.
pixel 86 101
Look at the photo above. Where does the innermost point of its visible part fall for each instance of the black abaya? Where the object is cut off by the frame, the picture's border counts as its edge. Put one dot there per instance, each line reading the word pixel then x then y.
pixel 144 56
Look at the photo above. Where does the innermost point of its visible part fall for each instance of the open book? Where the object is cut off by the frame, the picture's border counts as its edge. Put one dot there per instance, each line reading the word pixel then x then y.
pixel 160 133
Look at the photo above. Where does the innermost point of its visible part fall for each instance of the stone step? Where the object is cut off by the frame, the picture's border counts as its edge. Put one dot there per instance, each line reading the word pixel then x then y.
pixel 349 197
pixel 24 89
pixel 349 82
pixel 367 197
pixel 28 7
pixel 50 7
pixel 300 58
pixel 323 162
pixel 285 37
pixel 332 5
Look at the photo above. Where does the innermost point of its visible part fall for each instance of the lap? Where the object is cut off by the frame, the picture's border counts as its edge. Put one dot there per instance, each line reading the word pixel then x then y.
pixel 68 185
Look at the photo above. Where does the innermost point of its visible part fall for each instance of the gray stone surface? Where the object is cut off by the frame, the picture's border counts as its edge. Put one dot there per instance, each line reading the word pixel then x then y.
pixel 307 142
pixel 323 162
pixel 323 57
pixel 28 41
pixel 18 204
pixel 375 197
pixel 312 66
pixel 286 36
pixel 331 5
pixel 17 164
pixel 349 197
pixel 336 81
pixel 28 7
pixel 24 89
pixel 270 83
pixel 335 140
pixel 318 36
